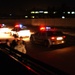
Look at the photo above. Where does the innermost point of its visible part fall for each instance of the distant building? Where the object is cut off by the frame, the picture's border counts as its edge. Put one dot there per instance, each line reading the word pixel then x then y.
pixel 49 13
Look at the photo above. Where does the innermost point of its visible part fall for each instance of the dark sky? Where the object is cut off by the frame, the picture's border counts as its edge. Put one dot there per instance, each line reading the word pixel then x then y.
pixel 14 5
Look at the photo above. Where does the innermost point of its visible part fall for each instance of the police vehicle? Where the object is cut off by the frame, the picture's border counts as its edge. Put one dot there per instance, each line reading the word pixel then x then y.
pixel 4 29
pixel 20 31
pixel 47 36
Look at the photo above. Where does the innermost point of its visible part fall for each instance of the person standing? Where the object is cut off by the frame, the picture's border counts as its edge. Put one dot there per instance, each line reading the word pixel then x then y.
pixel 7 42
pixel 20 47
pixel 14 41
pixel 22 41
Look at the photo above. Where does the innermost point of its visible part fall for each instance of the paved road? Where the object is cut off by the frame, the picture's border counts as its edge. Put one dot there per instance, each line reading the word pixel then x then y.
pixel 61 56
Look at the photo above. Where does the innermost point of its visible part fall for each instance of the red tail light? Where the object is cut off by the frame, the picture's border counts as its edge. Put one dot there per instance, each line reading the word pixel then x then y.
pixel 53 38
pixel 64 36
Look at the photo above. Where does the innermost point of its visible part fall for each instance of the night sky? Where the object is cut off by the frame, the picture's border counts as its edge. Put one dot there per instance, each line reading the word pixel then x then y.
pixel 17 5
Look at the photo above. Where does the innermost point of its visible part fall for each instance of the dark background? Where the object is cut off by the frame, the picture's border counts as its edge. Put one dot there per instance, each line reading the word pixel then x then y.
pixel 15 6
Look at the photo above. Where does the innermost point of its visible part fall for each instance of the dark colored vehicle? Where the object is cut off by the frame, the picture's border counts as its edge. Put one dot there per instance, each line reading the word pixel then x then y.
pixel 48 38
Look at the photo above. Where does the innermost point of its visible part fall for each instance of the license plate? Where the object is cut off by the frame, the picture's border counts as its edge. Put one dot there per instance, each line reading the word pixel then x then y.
pixel 59 38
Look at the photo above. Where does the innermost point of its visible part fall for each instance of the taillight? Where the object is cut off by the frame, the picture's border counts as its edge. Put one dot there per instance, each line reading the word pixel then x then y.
pixel 53 38
pixel 64 36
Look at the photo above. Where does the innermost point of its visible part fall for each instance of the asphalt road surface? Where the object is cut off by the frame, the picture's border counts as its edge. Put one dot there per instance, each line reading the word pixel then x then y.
pixel 60 56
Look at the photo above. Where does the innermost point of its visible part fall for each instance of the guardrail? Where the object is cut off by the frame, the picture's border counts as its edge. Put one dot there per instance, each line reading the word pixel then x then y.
pixel 36 66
